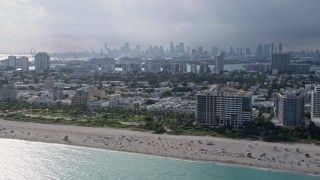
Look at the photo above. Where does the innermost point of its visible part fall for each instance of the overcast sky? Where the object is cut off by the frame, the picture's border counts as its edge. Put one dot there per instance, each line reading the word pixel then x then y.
pixel 68 25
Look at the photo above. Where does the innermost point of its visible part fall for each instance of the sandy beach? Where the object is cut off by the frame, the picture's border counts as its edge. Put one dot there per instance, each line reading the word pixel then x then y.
pixel 302 158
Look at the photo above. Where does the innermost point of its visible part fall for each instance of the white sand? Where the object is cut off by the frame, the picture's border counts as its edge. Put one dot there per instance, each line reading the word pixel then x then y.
pixel 283 157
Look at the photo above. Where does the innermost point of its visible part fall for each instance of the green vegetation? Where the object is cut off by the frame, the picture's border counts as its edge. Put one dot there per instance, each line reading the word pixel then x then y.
pixel 163 122
pixel 173 123
pixel 260 129
pixel 79 122
pixel 166 94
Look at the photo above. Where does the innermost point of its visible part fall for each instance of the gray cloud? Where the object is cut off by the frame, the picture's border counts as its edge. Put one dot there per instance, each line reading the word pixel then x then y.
pixel 82 24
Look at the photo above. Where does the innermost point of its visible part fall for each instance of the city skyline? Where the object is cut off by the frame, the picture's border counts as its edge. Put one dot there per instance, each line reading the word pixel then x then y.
pixel 80 25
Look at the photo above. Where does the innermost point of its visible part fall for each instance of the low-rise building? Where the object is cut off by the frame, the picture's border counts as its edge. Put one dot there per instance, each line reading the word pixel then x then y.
pixel 9 92
pixel 80 99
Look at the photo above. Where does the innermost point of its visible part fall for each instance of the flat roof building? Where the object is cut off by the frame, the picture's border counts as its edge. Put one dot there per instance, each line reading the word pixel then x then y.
pixel 224 106
pixel 289 108
pixel 315 105
pixel 280 61
pixel 42 62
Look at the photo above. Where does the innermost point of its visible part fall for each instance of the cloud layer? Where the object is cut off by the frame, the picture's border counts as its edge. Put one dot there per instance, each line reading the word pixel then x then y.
pixel 63 25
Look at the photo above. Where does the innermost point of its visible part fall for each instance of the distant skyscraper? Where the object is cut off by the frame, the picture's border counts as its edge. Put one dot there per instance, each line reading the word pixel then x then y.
pixel 280 48
pixel 194 68
pixel 194 52
pixel 126 45
pixel 152 67
pixel 162 54
pixel 241 52
pixel 126 49
pixel 259 50
pixel 200 51
pixel 272 48
pixel 266 50
pixel 42 62
pixel 24 63
pixel 137 51
pixel 12 62
pixel 219 63
pixel 131 68
pixel 280 62
pixel 289 108
pixel 204 68
pixel 105 49
pixel 231 50
pixel 181 48
pixel 248 52
pixel 214 50
pixel 172 50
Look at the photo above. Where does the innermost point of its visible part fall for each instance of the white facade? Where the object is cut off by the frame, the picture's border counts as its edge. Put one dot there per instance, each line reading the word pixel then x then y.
pixel 222 108
pixel 315 105
pixel 230 110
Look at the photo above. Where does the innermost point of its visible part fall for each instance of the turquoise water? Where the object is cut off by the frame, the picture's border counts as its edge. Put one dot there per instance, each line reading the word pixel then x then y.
pixel 33 160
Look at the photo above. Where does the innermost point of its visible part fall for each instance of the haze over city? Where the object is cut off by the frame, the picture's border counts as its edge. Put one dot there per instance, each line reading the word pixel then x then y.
pixel 81 25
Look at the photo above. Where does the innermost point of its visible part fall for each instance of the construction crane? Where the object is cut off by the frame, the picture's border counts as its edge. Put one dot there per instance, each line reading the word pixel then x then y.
pixel 33 53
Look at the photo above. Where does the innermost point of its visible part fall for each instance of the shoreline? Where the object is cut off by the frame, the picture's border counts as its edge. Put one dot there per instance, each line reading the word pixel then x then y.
pixel 184 159
pixel 206 149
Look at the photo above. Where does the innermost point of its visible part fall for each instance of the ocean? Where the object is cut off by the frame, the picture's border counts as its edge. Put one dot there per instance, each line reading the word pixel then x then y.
pixel 35 160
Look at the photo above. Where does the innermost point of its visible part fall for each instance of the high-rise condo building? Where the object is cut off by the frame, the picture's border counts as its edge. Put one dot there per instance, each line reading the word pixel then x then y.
pixel 280 62
pixel 280 48
pixel 219 63
pixel 42 62
pixel 289 108
pixel 224 106
pixel 152 67
pixel 12 62
pixel 24 63
pixel 266 50
pixel 272 48
pixel 259 52
pixel 315 105
pixel 205 109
